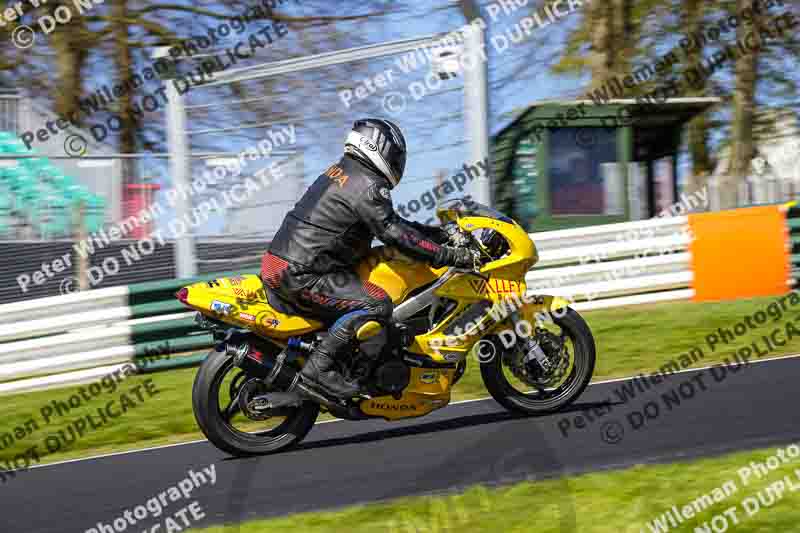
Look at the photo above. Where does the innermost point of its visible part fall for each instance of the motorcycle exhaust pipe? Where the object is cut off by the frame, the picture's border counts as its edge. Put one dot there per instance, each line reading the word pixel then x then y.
pixel 256 364
pixel 275 373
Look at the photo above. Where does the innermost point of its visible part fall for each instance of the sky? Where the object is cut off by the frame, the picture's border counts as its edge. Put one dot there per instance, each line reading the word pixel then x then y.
pixel 433 123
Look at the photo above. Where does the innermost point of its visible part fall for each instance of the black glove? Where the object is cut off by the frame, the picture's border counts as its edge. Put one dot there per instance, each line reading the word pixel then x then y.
pixel 457 257
pixel 434 233
pixel 438 235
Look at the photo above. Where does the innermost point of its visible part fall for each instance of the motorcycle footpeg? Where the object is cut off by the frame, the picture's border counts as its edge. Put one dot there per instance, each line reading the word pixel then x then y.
pixel 309 391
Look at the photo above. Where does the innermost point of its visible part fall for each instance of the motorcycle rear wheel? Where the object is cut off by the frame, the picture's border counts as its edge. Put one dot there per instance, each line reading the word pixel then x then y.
pixel 206 392
pixel 506 394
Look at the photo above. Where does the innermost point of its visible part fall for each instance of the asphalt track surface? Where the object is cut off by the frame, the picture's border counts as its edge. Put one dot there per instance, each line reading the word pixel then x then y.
pixel 344 463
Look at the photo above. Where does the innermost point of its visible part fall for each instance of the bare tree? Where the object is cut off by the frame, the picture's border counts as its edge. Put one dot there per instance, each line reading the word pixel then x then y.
pixel 744 102
pixel 699 126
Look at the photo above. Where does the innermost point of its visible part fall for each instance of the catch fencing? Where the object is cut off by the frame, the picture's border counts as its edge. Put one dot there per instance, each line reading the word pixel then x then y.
pixel 65 340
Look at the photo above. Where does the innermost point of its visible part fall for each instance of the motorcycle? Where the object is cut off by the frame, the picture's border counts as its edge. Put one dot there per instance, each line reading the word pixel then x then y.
pixel 536 354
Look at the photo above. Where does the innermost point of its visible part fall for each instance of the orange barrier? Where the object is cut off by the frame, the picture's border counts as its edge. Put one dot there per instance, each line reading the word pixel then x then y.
pixel 739 253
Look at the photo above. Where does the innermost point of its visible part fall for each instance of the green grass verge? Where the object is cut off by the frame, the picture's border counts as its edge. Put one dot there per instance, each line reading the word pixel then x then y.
pixel 622 501
pixel 629 341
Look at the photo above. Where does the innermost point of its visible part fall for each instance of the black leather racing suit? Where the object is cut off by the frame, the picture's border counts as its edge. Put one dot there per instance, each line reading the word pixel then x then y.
pixel 311 260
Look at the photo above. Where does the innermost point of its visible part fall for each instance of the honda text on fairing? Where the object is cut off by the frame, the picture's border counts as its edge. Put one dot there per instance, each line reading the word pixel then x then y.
pixel 246 395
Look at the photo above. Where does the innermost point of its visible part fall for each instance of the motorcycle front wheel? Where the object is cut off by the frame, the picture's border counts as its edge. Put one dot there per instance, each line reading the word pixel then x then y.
pixel 569 344
pixel 216 394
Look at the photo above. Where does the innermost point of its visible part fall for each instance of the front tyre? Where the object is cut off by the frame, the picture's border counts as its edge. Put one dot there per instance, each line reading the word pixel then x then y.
pixel 215 400
pixel 509 383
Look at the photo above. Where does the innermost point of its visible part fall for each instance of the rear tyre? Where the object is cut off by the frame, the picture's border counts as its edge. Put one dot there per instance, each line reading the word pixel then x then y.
pixel 578 371
pixel 206 392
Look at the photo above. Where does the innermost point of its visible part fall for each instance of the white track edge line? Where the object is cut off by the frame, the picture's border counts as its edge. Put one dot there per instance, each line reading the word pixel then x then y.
pixel 164 446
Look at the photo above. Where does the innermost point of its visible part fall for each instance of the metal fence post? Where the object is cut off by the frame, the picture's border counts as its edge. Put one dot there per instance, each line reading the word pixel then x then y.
pixel 185 263
pixel 476 101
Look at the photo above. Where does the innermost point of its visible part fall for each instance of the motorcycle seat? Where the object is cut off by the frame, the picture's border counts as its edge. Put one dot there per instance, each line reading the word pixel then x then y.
pixel 281 304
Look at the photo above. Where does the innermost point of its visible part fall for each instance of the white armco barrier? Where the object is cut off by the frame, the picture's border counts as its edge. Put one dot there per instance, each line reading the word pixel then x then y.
pixel 614 262
pixel 603 234
pixel 60 323
pixel 58 345
pixel 624 287
pixel 607 271
pixel 66 304
pixel 66 363
pixel 638 299
pixel 594 267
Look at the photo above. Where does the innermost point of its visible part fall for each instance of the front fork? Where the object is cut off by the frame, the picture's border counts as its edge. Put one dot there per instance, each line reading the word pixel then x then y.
pixel 531 347
pixel 534 310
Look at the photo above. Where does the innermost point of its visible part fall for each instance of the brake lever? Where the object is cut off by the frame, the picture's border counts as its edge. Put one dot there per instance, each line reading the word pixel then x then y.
pixel 460 238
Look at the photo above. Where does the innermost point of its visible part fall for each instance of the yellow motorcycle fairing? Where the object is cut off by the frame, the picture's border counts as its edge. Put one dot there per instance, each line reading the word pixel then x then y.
pixel 499 282
pixel 427 390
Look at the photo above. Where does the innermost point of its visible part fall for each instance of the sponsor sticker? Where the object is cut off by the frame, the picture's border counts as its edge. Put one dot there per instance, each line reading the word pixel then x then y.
pixel 478 285
pixel 268 320
pixel 392 406
pixel 220 307
pixel 495 286
pixel 247 316
pixel 336 173
pixel 368 144
pixel 428 377
pixel 246 294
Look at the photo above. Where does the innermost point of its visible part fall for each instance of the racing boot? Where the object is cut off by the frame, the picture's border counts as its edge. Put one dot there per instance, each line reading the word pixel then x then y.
pixel 320 370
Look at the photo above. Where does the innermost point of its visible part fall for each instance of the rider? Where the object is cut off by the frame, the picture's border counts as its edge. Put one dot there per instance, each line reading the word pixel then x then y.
pixel 312 259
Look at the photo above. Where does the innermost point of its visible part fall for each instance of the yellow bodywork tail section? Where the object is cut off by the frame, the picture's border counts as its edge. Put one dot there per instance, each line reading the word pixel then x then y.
pixel 241 301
